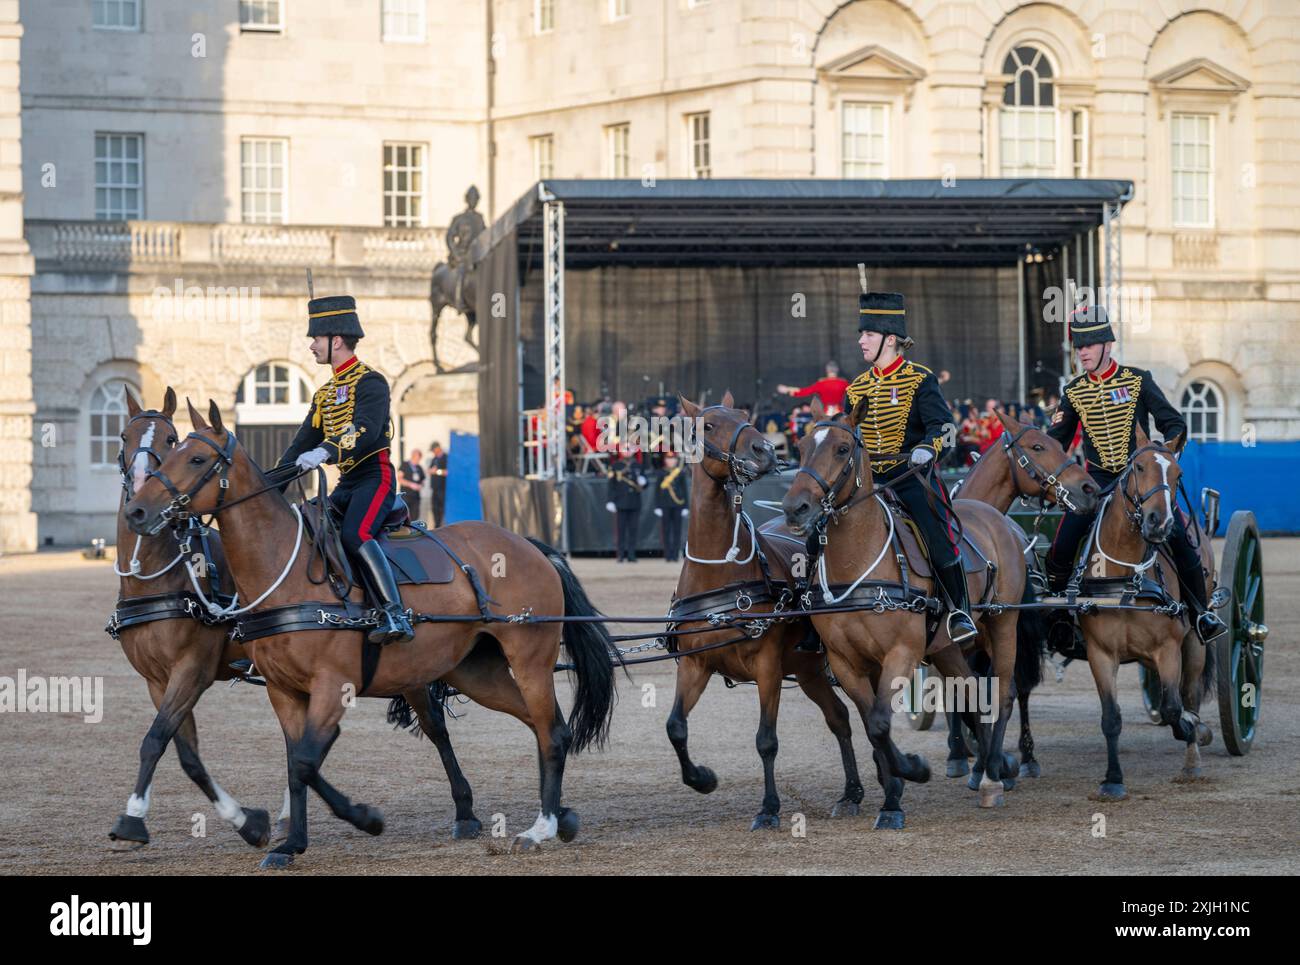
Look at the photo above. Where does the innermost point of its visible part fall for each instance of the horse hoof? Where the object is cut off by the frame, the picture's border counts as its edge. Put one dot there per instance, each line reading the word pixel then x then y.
pixel 920 769
pixel 129 833
pixel 281 831
pixel 566 827
pixel 766 822
pixel 975 778
pixel 958 768
pixel 369 820
pixel 706 782
pixel 992 797
pixel 846 808
pixel 523 843
pixel 467 829
pixel 1204 736
pixel 1112 792
pixel 276 861
pixel 1188 775
pixel 257 827
pixel 1030 769
pixel 888 821
pixel 1008 783
pixel 1010 764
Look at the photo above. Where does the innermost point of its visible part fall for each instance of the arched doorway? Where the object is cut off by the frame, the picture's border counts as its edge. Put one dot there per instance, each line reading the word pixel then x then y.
pixel 272 401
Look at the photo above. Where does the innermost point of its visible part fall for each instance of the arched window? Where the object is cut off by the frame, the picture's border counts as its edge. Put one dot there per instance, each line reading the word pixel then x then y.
pixel 107 422
pixel 1202 408
pixel 1028 115
pixel 272 392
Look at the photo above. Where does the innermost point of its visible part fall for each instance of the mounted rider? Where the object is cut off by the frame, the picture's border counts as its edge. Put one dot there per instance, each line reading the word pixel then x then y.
pixel 897 406
pixel 348 425
pixel 1111 400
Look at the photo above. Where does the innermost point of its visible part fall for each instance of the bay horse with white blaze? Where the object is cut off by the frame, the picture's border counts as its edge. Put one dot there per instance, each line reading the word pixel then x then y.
pixel 506 665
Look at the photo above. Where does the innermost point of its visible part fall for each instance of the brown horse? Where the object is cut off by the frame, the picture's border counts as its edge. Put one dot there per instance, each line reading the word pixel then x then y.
pixel 723 549
pixel 1134 521
pixel 1024 462
pixel 506 665
pixel 178 655
pixel 875 654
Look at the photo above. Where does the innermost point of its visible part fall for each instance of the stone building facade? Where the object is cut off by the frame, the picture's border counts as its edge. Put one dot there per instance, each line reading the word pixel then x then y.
pixel 171 147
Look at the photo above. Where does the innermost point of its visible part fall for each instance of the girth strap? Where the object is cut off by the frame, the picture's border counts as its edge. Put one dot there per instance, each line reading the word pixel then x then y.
pixel 133 611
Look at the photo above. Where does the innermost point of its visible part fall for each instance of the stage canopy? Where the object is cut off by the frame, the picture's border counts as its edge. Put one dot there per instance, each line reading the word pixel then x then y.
pixel 762 222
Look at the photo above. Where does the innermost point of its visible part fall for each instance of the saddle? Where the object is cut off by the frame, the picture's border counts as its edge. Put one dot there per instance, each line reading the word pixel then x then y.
pixel 415 556
pixel 918 555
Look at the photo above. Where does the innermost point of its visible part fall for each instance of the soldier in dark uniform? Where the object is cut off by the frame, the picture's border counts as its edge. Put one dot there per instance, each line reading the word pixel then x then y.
pixel 897 407
pixel 624 494
pixel 1111 400
pixel 348 425
pixel 672 502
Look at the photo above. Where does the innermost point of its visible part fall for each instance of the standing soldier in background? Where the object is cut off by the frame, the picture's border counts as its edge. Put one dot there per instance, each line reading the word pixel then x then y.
pixel 437 482
pixel 348 426
pixel 411 478
pixel 624 494
pixel 672 501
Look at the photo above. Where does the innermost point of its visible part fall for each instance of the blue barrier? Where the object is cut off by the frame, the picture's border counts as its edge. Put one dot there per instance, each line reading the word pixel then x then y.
pixel 463 501
pixel 1261 478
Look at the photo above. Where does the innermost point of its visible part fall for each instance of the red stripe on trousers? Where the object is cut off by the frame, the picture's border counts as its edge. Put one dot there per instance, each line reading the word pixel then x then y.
pixel 385 486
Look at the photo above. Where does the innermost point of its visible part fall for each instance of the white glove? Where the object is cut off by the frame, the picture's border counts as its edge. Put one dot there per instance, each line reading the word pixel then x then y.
pixel 686 512
pixel 658 511
pixel 640 480
pixel 610 507
pixel 921 455
pixel 310 460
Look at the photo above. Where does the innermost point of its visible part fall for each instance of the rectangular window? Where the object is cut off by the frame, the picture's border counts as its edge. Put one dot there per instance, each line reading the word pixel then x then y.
pixel 543 16
pixel 1028 142
pixel 404 185
pixel 698 129
pixel 404 21
pixel 618 10
pixel 1079 143
pixel 543 156
pixel 264 180
pixel 1193 170
pixel 265 15
pixel 866 141
pixel 117 15
pixel 618 158
pixel 119 177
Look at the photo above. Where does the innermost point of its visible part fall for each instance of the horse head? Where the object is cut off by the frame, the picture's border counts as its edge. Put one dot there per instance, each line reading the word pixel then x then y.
pixel 1149 485
pixel 147 433
pixel 1032 452
pixel 831 456
pixel 732 450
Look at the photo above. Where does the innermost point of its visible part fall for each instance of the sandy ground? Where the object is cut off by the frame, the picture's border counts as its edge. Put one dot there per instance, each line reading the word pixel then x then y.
pixel 65 780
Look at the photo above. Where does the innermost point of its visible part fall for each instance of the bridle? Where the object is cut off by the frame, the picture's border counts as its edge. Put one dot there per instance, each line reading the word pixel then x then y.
pixel 738 475
pixel 123 460
pixel 178 509
pixel 852 468
pixel 1048 482
pixel 1135 515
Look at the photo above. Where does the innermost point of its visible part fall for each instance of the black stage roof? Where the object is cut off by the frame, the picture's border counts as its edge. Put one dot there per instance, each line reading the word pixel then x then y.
pixel 765 222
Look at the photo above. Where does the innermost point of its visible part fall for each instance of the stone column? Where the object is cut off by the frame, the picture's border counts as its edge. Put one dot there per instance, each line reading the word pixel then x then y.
pixel 17 521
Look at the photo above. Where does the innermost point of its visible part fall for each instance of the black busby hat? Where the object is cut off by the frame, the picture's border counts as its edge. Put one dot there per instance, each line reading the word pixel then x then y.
pixel 333 315
pixel 882 312
pixel 1089 325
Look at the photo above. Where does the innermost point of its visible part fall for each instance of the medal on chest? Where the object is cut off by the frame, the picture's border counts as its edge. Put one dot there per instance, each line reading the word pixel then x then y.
pixel 1120 395
pixel 340 394
pixel 893 395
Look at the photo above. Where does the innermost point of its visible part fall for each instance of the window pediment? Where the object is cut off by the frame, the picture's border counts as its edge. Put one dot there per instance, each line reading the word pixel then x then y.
pixel 872 69
pixel 1199 81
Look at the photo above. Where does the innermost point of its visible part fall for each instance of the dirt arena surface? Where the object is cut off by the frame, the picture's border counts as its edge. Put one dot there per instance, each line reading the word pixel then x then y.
pixel 65 780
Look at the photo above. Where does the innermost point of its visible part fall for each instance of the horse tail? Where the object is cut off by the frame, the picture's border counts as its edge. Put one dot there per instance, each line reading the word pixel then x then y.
pixel 593 654
pixel 1031 631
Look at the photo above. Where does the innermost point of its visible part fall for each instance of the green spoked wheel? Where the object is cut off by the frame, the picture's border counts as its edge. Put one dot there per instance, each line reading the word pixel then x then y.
pixel 1240 652
pixel 917 717
pixel 1151 694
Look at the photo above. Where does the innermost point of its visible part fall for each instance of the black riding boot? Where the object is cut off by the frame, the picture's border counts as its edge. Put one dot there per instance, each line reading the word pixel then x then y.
pixel 393 623
pixel 960 625
pixel 1061 635
pixel 1206 621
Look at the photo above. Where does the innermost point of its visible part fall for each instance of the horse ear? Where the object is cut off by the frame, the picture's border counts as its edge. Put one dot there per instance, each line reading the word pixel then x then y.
pixel 169 402
pixel 818 408
pixel 1142 438
pixel 214 415
pixel 196 420
pixel 1180 440
pixel 133 407
pixel 1009 422
pixel 688 407
pixel 728 400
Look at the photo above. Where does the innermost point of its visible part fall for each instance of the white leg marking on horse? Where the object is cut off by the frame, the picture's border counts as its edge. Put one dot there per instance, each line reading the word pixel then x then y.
pixel 140 465
pixel 138 807
pixel 228 807
pixel 543 828
pixel 1164 476
pixel 284 811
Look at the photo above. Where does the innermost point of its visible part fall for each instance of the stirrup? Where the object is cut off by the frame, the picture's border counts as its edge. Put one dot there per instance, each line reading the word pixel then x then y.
pixel 1209 627
pixel 966 632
